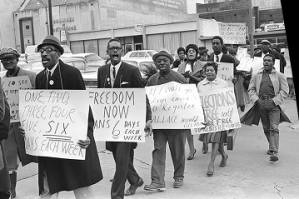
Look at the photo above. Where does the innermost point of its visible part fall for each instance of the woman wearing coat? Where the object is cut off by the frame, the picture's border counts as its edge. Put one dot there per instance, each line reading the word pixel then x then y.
pixel 217 139
pixel 191 69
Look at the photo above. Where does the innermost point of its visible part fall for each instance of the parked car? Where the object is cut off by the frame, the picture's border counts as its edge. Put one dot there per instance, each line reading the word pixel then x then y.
pixel 31 54
pixel 87 63
pixel 142 55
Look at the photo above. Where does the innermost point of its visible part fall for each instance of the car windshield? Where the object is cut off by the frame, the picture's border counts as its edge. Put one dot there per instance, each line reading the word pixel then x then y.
pixel 138 54
pixel 151 53
pixel 93 57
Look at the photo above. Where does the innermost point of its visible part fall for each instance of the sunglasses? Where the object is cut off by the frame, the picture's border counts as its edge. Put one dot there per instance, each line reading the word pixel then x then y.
pixel 47 50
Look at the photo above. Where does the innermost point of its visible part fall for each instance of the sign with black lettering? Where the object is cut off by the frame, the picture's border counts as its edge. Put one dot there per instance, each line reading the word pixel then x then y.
pixel 220 110
pixel 11 87
pixel 119 114
pixel 54 121
pixel 175 106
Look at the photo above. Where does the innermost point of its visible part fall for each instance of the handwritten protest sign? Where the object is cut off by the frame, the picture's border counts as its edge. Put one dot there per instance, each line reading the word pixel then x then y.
pixel 175 106
pixel 220 110
pixel 11 87
pixel 257 64
pixel 119 114
pixel 233 33
pixel 54 120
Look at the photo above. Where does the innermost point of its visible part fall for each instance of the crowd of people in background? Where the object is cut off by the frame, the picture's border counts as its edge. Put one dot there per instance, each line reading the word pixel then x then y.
pixel 195 65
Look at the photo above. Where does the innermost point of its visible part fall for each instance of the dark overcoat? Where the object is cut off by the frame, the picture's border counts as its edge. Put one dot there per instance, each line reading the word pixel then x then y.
pixel 4 128
pixel 66 174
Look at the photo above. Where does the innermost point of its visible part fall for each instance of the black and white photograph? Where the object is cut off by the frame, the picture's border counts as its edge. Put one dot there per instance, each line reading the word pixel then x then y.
pixel 148 99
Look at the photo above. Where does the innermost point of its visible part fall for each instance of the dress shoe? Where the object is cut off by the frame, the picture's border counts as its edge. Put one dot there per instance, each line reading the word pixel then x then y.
pixel 191 156
pixel 154 187
pixel 210 171
pixel 204 148
pixel 178 183
pixel 274 157
pixel 132 189
pixel 269 152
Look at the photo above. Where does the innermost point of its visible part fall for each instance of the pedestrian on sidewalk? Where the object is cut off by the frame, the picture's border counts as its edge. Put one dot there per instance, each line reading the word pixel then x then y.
pixel 14 146
pixel 191 69
pixel 176 138
pixel 118 74
pixel 4 129
pixel 217 139
pixel 268 89
pixel 57 174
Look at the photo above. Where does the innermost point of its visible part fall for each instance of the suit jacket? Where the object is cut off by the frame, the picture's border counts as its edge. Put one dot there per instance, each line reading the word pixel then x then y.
pixel 66 174
pixel 226 59
pixel 127 76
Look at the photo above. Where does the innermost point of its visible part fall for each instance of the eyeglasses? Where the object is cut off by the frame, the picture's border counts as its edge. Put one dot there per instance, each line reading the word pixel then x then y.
pixel 47 50
pixel 115 48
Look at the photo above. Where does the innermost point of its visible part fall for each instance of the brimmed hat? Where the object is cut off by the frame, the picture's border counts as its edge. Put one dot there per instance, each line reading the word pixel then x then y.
pixel 6 52
pixel 51 40
pixel 265 42
pixel 163 53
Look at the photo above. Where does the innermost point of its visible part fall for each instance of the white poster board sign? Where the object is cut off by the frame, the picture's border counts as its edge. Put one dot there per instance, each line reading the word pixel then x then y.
pixel 220 110
pixel 233 33
pixel 11 87
pixel 119 114
pixel 175 106
pixel 54 121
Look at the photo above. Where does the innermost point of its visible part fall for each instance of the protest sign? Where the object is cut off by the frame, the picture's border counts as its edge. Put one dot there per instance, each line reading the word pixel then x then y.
pixel 54 121
pixel 226 72
pixel 175 106
pixel 220 110
pixel 119 114
pixel 233 33
pixel 11 87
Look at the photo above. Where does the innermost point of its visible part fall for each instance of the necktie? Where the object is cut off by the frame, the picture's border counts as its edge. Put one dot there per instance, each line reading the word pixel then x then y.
pixel 48 78
pixel 113 72
pixel 217 58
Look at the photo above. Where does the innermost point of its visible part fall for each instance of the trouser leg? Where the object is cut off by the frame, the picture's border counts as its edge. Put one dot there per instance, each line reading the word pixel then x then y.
pixel 274 118
pixel 83 193
pixel 176 142
pixel 159 157
pixel 132 176
pixel 265 122
pixel 13 183
pixel 122 159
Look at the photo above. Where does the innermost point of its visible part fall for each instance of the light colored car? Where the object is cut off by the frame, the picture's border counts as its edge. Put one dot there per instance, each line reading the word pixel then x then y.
pixel 87 63
pixel 139 55
pixel 31 54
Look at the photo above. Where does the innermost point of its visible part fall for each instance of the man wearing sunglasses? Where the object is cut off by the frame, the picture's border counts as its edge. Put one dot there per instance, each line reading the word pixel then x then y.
pixel 55 174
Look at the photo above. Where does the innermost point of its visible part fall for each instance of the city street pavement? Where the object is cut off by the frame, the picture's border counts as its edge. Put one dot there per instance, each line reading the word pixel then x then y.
pixel 249 173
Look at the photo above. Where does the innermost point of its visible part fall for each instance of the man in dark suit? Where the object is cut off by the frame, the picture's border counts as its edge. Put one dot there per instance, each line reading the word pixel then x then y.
pixel 119 74
pixel 56 174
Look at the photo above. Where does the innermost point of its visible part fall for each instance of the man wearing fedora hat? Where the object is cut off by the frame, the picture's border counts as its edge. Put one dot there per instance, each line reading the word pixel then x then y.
pixel 14 146
pixel 55 174
pixel 176 138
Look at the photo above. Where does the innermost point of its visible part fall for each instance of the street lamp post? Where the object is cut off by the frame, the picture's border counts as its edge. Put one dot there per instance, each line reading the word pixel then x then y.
pixel 251 28
pixel 50 17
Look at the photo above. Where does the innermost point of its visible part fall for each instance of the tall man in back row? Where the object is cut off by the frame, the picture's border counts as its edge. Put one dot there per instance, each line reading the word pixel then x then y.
pixel 268 88
pixel 118 74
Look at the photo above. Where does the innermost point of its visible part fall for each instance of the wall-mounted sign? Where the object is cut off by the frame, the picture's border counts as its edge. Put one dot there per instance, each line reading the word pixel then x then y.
pixel 274 27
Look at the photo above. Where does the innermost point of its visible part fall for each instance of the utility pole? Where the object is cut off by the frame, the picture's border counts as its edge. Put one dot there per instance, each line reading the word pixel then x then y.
pixel 50 16
pixel 251 28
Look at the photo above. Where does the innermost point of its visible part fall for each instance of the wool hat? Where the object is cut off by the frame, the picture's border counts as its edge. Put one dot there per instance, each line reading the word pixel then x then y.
pixel 265 42
pixel 163 53
pixel 6 52
pixel 51 40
